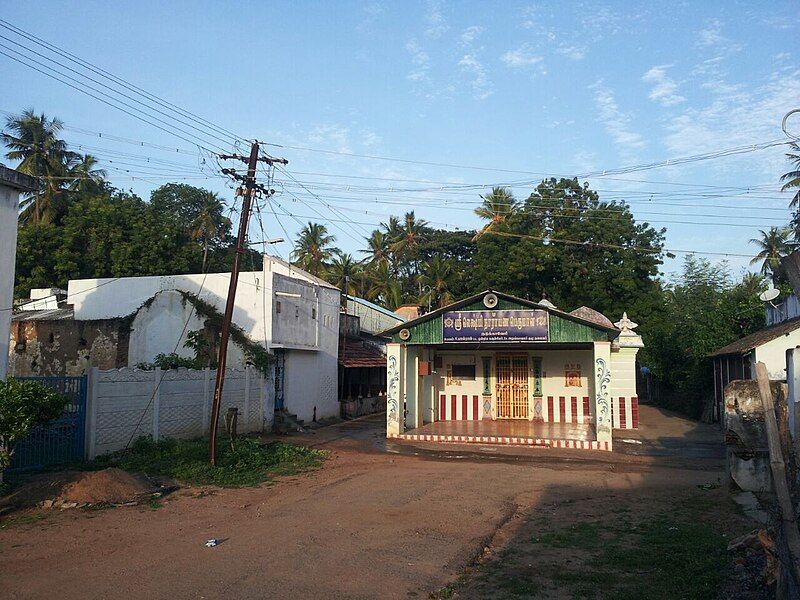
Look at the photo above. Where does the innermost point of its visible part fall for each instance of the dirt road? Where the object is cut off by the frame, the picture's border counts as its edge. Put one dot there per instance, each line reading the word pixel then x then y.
pixel 394 522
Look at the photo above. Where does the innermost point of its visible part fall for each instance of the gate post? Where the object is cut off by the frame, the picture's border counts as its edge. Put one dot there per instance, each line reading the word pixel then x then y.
pixel 793 381
pixel 246 419
pixel 206 405
pixel 156 402
pixel 90 437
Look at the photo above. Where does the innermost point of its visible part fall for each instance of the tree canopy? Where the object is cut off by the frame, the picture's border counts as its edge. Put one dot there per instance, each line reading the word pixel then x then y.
pixel 562 242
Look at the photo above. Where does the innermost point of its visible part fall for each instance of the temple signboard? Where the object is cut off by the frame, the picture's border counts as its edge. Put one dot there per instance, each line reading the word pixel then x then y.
pixel 495 326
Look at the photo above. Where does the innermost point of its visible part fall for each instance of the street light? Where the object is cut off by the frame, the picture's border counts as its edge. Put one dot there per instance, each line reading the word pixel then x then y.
pixel 272 241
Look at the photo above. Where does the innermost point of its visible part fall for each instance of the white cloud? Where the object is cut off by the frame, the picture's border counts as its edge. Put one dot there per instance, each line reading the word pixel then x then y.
pixel 371 13
pixel 711 37
pixel 437 25
pixel 573 52
pixel 481 86
pixel 470 34
pixel 665 90
pixel 420 59
pixel 331 136
pixel 738 116
pixel 370 138
pixel 599 23
pixel 616 123
pixel 521 58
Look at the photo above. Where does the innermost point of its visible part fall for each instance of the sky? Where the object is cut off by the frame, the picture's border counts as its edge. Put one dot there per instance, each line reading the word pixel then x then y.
pixel 466 94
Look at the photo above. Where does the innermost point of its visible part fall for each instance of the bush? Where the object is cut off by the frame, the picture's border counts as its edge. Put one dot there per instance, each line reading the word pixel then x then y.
pixel 23 406
pixel 249 463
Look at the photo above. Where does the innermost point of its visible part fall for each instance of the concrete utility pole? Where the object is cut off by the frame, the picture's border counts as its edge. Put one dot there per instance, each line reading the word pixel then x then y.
pixel 247 193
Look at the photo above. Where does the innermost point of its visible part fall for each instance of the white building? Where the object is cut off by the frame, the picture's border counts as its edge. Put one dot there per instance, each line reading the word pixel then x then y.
pixel 11 184
pixel 290 312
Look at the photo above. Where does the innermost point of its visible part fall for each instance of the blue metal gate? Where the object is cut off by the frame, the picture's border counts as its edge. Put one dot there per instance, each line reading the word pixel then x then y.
pixel 60 441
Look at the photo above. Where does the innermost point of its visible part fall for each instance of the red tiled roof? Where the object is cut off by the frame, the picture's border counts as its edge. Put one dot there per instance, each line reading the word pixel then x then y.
pixel 358 354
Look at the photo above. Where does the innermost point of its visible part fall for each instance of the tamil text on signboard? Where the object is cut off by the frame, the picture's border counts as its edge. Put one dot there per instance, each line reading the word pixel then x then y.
pixel 495 326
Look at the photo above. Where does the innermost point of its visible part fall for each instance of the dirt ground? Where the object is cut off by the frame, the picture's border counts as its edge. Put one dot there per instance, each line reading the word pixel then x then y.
pixel 378 520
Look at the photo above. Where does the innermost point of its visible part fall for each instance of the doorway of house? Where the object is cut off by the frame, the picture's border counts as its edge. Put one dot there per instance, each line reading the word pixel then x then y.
pixel 512 386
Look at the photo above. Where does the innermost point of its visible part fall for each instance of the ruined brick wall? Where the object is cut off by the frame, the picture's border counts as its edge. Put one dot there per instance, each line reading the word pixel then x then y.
pixel 67 347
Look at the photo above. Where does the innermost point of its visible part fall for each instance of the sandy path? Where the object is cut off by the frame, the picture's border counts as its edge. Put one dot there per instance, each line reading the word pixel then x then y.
pixel 367 525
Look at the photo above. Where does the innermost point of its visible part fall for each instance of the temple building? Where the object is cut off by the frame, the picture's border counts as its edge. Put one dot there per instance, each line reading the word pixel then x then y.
pixel 493 368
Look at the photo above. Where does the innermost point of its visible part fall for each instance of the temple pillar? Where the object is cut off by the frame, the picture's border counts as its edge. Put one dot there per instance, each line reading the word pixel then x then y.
pixel 602 392
pixel 395 380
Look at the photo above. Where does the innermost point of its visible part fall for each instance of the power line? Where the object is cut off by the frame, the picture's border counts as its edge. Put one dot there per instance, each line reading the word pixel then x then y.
pixel 104 101
pixel 208 125
pixel 617 171
pixel 653 251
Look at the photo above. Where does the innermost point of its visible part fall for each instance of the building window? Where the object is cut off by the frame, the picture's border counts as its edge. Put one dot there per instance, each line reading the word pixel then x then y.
pixel 463 372
pixel 572 375
pixel 313 313
pixel 278 307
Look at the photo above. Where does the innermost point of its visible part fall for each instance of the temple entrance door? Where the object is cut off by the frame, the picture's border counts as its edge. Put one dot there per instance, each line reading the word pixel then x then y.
pixel 512 387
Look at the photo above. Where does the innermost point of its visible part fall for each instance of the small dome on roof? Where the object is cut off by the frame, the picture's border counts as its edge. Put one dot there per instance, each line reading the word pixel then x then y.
pixel 590 314
pixel 545 302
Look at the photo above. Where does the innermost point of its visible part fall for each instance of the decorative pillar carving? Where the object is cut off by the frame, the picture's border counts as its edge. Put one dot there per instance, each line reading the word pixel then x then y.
pixel 602 391
pixel 394 392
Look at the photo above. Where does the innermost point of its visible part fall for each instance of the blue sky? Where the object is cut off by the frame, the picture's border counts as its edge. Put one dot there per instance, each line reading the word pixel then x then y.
pixel 544 88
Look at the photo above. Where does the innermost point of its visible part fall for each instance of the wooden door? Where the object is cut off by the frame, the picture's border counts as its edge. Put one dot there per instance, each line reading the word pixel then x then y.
pixel 512 387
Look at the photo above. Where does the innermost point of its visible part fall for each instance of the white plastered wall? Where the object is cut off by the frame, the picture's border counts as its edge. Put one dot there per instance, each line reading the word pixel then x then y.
pixel 9 199
pixel 310 378
pixel 773 354
pixel 163 326
pixel 623 385
pixel 459 388
pixel 554 364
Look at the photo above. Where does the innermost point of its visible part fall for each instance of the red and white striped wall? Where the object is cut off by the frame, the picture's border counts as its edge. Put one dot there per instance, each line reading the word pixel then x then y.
pixel 459 407
pixel 625 412
pixel 567 409
pixel 510 441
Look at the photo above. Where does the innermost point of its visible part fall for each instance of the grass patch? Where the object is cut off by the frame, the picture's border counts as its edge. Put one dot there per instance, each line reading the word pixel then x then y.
pixel 580 535
pixel 251 462
pixel 676 549
pixel 23 519
pixel 520 587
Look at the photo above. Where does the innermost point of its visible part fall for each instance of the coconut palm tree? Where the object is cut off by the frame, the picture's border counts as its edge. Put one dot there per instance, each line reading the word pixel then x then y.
pixel 392 228
pixel 313 248
pixel 791 180
pixel 496 208
pixel 33 140
pixel 437 276
pixel 411 234
pixel 384 286
pixel 88 178
pixel 210 223
pixel 774 244
pixel 343 272
pixel 378 248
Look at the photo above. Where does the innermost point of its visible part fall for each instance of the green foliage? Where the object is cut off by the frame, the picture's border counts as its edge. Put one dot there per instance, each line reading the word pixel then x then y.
pixel 170 361
pixel 773 245
pixel 23 406
pixel 702 311
pixel 255 353
pixel 251 462
pixel 313 248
